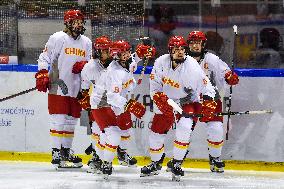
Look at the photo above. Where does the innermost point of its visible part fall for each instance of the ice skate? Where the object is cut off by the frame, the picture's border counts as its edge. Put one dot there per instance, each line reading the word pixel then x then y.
pixel 216 164
pixel 106 169
pixel 94 164
pixel 56 157
pixel 170 163
pixel 177 172
pixel 89 150
pixel 152 169
pixel 69 160
pixel 124 158
pixel 169 166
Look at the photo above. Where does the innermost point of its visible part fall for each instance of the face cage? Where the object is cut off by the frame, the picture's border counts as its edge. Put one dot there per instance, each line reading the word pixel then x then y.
pixel 98 55
pixel 203 44
pixel 178 61
pixel 74 30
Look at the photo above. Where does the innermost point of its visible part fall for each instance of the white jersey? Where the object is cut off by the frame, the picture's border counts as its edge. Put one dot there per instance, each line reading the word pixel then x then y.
pixel 61 53
pixel 187 79
pixel 93 75
pixel 119 84
pixel 215 69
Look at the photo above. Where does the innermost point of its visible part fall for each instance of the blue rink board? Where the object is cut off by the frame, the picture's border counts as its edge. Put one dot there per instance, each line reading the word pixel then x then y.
pixel 240 71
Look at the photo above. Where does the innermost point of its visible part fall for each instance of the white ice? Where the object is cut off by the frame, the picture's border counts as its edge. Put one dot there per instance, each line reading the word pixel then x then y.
pixel 34 175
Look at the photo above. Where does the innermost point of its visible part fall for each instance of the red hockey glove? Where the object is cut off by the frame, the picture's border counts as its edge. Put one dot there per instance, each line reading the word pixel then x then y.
pixel 145 51
pixel 78 67
pixel 84 99
pixel 123 121
pixel 160 99
pixel 42 80
pixel 208 110
pixel 231 78
pixel 136 108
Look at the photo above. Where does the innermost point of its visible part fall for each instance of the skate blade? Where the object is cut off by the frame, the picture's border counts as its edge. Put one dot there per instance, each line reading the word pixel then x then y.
pixel 106 177
pixel 176 178
pixel 216 169
pixel 56 166
pixel 169 169
pixel 70 165
pixel 91 170
pixel 122 163
pixel 148 175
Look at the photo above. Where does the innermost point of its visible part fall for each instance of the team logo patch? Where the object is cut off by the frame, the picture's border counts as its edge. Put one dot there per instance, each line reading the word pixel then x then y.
pixel 168 81
pixel 127 83
pixel 75 51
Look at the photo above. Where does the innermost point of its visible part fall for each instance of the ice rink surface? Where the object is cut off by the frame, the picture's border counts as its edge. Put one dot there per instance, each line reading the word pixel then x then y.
pixel 34 175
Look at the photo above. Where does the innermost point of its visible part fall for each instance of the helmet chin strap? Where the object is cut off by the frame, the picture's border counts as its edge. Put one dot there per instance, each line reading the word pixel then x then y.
pixel 177 61
pixel 80 32
pixel 126 63
pixel 194 54
pixel 107 62
pixel 197 54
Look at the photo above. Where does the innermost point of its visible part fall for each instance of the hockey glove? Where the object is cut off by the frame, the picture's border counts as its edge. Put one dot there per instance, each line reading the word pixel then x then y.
pixel 208 110
pixel 231 78
pixel 42 80
pixel 84 99
pixel 124 121
pixel 78 67
pixel 136 108
pixel 145 51
pixel 160 99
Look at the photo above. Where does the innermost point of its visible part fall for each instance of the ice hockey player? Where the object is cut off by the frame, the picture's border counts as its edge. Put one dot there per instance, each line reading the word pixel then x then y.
pixel 178 77
pixel 219 74
pixel 90 76
pixel 114 118
pixel 63 50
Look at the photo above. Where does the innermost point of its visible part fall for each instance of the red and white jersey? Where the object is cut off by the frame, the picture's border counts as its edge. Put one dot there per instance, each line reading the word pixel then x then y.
pixel 61 52
pixel 93 75
pixel 119 84
pixel 215 69
pixel 177 83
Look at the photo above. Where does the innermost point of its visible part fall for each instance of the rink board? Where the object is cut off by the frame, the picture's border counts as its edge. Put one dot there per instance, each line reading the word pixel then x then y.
pixel 24 121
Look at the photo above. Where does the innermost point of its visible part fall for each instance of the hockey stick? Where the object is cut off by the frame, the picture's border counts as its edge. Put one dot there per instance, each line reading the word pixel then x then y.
pixel 235 28
pixel 146 41
pixel 142 71
pixel 59 82
pixel 177 108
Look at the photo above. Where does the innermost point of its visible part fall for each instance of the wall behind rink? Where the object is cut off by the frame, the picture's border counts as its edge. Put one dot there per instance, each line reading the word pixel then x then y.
pixel 24 121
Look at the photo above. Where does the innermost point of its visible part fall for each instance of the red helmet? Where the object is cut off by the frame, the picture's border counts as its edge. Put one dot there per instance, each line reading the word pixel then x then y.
pixel 119 46
pixel 196 35
pixel 102 43
pixel 73 15
pixel 177 41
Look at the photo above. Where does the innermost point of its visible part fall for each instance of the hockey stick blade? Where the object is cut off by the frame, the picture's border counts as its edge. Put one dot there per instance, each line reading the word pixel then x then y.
pixel 62 86
pixel 59 82
pixel 177 108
